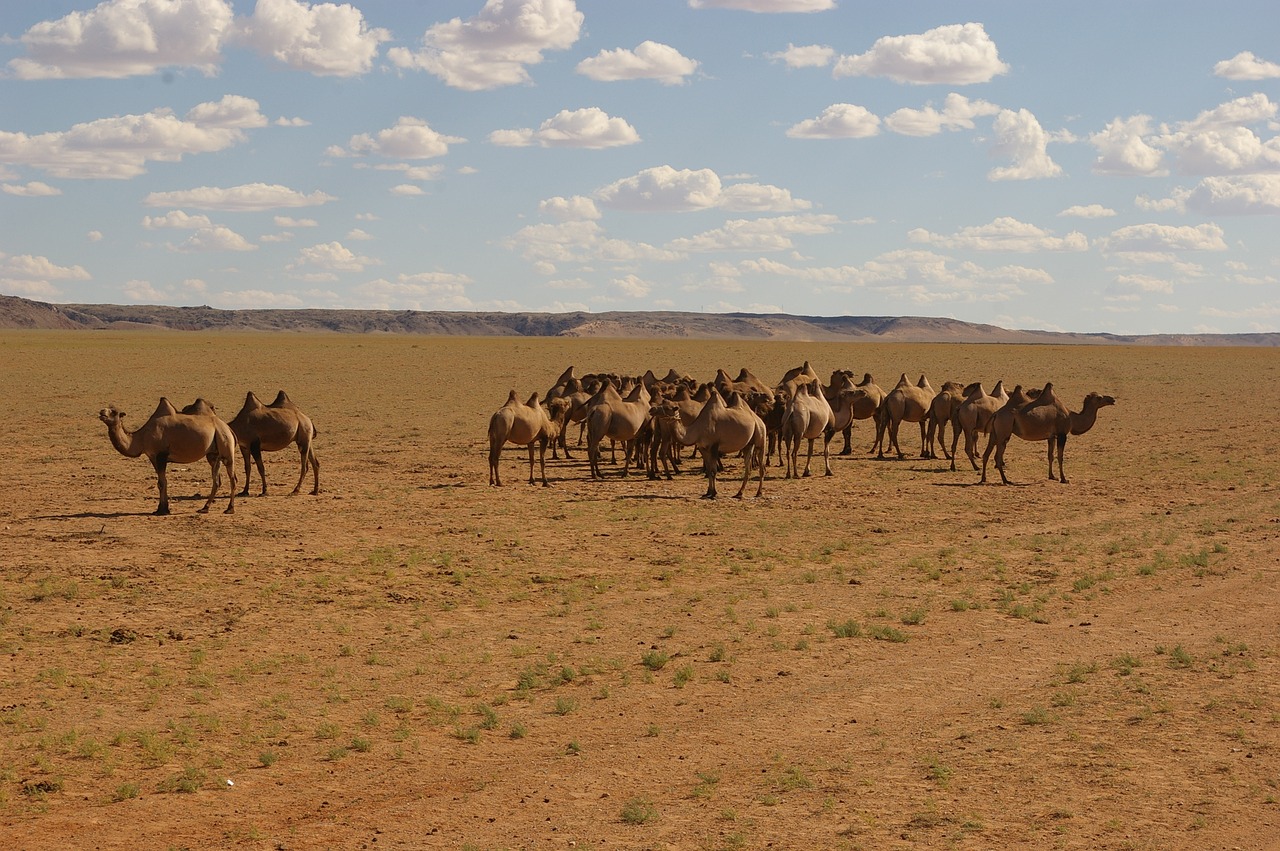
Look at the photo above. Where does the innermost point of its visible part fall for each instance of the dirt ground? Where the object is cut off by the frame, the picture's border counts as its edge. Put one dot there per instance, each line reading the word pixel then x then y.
pixel 891 657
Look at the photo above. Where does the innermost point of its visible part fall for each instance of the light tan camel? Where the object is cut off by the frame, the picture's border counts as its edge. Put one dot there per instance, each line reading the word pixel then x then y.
pixel 610 415
pixel 744 383
pixel 864 400
pixel 808 417
pixel 973 417
pixel 181 438
pixel 269 428
pixel 723 429
pixel 941 409
pixel 1043 417
pixel 523 425
pixel 905 403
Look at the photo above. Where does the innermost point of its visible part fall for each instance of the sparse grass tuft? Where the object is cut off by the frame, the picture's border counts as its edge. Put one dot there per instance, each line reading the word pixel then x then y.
pixel 638 811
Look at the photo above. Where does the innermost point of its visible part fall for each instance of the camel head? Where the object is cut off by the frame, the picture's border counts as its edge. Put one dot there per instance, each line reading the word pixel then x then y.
pixel 111 415
pixel 1099 401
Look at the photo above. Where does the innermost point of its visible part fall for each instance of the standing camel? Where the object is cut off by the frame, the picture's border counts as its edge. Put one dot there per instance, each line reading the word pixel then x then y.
pixel 722 429
pixel 973 417
pixel 182 438
pixel 1043 418
pixel 808 417
pixel 268 428
pixel 905 403
pixel 523 425
pixel 611 416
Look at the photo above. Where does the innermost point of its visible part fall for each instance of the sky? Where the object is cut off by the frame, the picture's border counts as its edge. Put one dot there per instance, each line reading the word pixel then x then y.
pixel 1085 166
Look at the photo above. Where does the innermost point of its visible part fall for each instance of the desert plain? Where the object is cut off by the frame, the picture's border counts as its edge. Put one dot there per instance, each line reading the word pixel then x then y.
pixel 892 657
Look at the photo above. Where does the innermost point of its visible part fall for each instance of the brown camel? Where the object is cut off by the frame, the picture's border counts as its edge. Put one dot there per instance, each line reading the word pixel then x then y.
pixel 808 417
pixel 181 438
pixel 269 428
pixel 973 417
pixel 941 409
pixel 524 425
pixel 905 403
pixel 1043 418
pixel 610 415
pixel 722 429
pixel 864 400
pixel 744 383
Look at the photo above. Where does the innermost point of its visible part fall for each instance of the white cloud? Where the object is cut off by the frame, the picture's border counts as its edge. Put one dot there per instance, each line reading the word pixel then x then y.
pixel 251 299
pixel 957 113
pixel 649 61
pixel 493 48
pixel 1243 195
pixel 410 172
pixel 631 286
pixel 291 222
pixel 805 56
pixel 580 241
pixel 1135 285
pixel 1123 149
pixel 1162 238
pixel 1217 141
pixel 94 236
pixel 330 257
pixel 34 189
pixel 422 291
pixel 216 238
pixel 121 146
pixel 1088 211
pixel 143 292
pixel 125 38
pixel 1175 203
pixel 30 289
pixel 1246 66
pixel 246 198
pixel 766 234
pixel 838 121
pixel 956 54
pixel 407 190
pixel 665 189
pixel 1003 234
pixel 282 236
pixel 1020 137
pixel 577 208
pixel 765 6
pixel 291 122
pixel 176 219
pixel 580 128
pixel 326 39
pixel 33 267
pixel 409 139
pixel 358 234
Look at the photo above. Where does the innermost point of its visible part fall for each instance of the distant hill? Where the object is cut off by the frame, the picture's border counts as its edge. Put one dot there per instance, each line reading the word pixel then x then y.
pixel 23 313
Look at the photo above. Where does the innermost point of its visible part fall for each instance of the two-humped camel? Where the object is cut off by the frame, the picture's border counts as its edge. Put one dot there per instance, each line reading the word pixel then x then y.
pixel 906 403
pixel 725 428
pixel 1043 418
pixel 523 425
pixel 269 428
pixel 941 410
pixel 609 415
pixel 178 437
pixel 861 401
pixel 808 417
pixel 973 417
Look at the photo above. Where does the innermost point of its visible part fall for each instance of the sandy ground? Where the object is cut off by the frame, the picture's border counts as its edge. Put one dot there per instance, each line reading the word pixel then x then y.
pixel 894 656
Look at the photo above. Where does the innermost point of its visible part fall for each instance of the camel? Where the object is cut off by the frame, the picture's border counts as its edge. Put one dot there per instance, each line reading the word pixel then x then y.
pixel 859 401
pixel 744 383
pixel 722 429
pixel 942 407
pixel 905 403
pixel 268 428
pixel 182 438
pixel 973 417
pixel 524 425
pixel 808 417
pixel 610 415
pixel 1043 418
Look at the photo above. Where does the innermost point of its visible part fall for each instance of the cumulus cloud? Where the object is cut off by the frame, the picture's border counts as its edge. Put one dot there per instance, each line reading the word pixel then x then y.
pixel 291 222
pixel 251 299
pixel 1123 149
pixel 631 286
pixel 176 219
pixel 1088 211
pixel 1020 137
pixel 650 60
pixel 1218 141
pixel 121 146
pixel 326 39
pixel 1246 66
pixel 1164 238
pixel 765 6
pixel 804 56
pixel 407 190
pixel 494 48
pixel 665 189
pixel 767 234
pixel 421 291
pixel 1236 196
pixel 580 128
pixel 94 236
pixel 1002 234
pixel 579 241
pixel 329 257
pixel 215 238
pixel 359 234
pixel 248 197
pixel 33 267
pixel 957 113
pixel 125 38
pixel 34 189
pixel 838 121
pixel 1125 286
pixel 956 54
pixel 409 139
pixel 576 209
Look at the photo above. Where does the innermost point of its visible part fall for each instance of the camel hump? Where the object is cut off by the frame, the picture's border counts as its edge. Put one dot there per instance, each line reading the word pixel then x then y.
pixel 903 382
pixel 251 400
pixel 533 400
pixel 282 400
pixel 867 379
pixel 199 406
pixel 511 397
pixel 165 408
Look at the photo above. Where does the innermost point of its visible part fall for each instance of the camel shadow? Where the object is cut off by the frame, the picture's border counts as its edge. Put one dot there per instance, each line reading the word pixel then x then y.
pixel 95 515
pixel 648 496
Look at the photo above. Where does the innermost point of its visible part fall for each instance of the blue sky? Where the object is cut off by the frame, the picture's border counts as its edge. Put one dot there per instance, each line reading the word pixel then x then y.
pixel 1083 167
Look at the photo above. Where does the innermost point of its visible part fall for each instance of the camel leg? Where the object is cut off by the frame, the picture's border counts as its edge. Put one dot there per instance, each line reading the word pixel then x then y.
pixel 530 448
pixel 303 453
pixel 1062 446
pixel 747 452
pixel 710 460
pixel 255 449
pixel 160 463
pixel 826 455
pixel 807 460
pixel 248 460
pixel 495 455
pixel 926 448
pixel 848 440
pixel 991 444
pixel 315 470
pixel 217 480
pixel 955 438
pixel 760 448
pixel 230 464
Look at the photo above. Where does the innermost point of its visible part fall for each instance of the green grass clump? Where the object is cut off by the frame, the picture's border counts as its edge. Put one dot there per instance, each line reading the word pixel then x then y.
pixel 639 811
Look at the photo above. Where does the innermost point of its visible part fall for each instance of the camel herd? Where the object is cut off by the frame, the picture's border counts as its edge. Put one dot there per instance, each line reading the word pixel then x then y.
pixel 195 432
pixel 654 419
